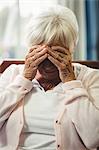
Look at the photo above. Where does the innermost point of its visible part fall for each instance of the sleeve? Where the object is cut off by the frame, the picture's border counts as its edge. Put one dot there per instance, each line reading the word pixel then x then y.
pixel 82 104
pixel 13 88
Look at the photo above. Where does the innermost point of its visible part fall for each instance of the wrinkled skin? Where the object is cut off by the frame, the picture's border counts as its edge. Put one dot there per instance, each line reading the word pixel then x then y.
pixel 49 64
pixel 35 56
pixel 61 57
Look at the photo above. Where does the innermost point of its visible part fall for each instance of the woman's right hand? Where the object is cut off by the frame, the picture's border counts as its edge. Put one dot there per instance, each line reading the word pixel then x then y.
pixel 36 55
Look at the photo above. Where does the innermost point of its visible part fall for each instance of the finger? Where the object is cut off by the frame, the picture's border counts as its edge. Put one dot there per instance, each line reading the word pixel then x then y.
pixel 36 50
pixel 39 48
pixel 39 54
pixel 54 61
pixel 34 59
pixel 61 49
pixel 59 57
pixel 28 62
pixel 43 52
pixel 33 47
pixel 61 67
pixel 39 60
pixel 55 55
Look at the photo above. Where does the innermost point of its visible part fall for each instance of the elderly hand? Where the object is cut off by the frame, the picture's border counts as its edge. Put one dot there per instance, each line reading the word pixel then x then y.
pixel 35 56
pixel 61 58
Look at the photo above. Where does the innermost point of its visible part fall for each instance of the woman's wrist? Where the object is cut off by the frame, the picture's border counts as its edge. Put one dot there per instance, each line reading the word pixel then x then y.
pixel 69 78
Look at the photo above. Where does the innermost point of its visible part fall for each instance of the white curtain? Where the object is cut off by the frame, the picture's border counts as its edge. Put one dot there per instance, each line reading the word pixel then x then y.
pixel 78 7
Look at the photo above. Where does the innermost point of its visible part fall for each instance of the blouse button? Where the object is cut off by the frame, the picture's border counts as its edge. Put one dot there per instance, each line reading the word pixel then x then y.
pixel 56 121
pixel 58 146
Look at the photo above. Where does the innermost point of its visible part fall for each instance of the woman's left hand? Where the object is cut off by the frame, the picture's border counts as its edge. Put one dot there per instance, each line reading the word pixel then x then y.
pixel 62 58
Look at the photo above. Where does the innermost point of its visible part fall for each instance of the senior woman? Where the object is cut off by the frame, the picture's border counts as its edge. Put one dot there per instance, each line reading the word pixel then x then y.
pixel 50 103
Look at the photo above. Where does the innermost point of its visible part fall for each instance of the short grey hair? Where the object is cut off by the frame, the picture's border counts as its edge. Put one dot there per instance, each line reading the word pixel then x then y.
pixel 55 25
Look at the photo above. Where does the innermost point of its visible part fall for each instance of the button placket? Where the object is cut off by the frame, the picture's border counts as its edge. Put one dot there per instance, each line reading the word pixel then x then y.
pixel 58 124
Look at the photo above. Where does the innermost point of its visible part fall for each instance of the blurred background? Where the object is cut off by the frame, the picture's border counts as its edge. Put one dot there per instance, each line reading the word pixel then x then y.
pixel 15 15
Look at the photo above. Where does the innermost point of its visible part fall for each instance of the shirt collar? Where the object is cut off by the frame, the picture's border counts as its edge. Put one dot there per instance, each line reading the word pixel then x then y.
pixel 36 84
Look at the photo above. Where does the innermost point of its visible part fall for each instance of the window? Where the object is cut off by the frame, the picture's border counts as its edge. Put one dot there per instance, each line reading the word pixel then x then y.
pixel 14 15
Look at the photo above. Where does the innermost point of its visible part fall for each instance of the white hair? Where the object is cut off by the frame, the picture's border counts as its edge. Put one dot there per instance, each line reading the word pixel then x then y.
pixel 55 25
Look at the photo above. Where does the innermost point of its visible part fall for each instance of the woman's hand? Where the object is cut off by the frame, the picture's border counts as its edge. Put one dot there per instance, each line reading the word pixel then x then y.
pixel 35 56
pixel 61 58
